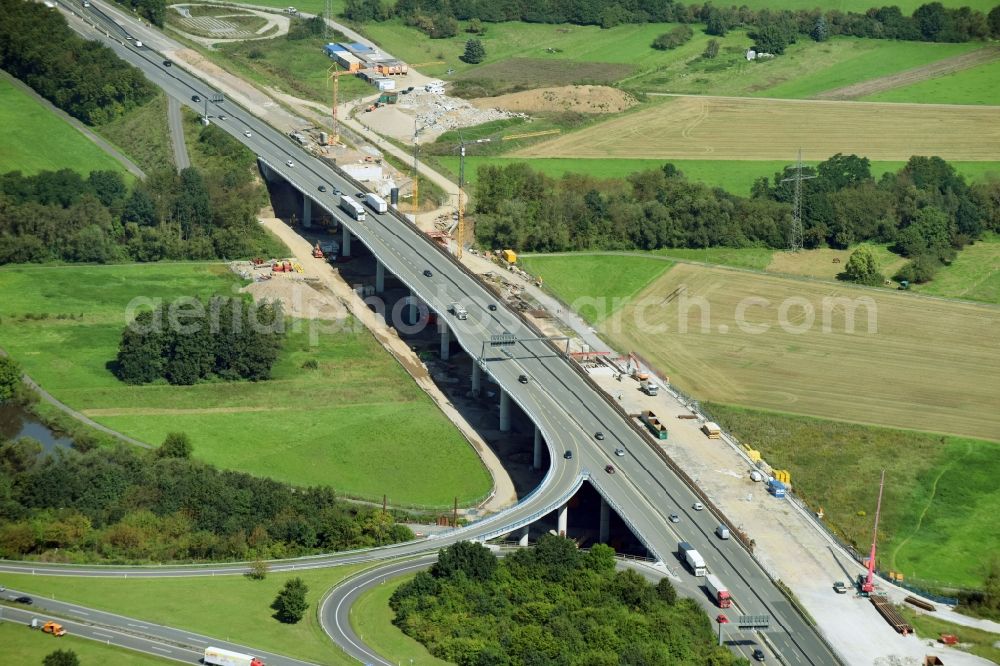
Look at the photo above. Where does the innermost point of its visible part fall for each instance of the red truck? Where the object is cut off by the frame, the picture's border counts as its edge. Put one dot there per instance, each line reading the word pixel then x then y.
pixel 718 591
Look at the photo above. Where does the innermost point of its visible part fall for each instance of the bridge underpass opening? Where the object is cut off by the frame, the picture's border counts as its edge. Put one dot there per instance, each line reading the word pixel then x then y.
pixel 583 525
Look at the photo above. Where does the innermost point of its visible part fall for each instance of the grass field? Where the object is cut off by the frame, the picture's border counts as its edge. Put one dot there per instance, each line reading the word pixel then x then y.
pixel 21 646
pixel 371 618
pixel 981 643
pixel 940 496
pixel 358 423
pixel 974 275
pixel 35 139
pixel 297 67
pixel 920 364
pixel 575 279
pixel 977 85
pixel 227 607
pixel 143 135
pixel 863 59
pixel 752 129
pixel 805 69
pixel 733 176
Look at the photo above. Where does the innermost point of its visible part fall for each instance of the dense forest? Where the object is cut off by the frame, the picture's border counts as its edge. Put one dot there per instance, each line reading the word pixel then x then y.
pixel 552 604
pixel 773 29
pixel 123 504
pixel 192 215
pixel 80 76
pixel 926 210
pixel 186 341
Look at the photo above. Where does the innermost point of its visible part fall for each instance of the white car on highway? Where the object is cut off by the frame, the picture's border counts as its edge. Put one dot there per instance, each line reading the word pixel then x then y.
pixel 247 134
pixel 290 163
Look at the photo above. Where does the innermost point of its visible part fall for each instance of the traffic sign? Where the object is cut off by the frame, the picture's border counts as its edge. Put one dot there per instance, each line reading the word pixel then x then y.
pixel 753 621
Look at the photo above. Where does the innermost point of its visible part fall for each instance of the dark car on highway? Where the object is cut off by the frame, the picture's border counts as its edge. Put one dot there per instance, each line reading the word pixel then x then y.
pixel 609 469
pixel 25 600
pixel 195 98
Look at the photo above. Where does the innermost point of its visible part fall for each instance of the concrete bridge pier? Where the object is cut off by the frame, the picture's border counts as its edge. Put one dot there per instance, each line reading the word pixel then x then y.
pixel 563 519
pixel 536 460
pixel 345 245
pixel 477 378
pixel 523 541
pixel 445 341
pixel 307 208
pixel 504 411
pixel 604 531
pixel 412 312
pixel 379 277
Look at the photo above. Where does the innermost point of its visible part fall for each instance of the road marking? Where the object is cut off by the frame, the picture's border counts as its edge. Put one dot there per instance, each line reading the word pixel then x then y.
pixel 140 626
pixel 103 636
pixel 80 612
pixel 163 650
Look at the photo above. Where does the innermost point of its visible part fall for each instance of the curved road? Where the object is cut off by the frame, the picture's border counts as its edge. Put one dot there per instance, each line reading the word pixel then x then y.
pixel 560 400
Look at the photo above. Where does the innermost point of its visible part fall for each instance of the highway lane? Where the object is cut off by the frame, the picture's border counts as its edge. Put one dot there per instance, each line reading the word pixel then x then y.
pixel 104 635
pixel 131 633
pixel 644 490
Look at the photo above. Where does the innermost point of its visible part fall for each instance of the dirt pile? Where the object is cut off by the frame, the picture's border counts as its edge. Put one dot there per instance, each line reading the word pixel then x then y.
pixel 581 99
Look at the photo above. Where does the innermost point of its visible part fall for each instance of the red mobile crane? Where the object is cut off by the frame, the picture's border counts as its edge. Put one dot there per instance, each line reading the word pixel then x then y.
pixel 867 586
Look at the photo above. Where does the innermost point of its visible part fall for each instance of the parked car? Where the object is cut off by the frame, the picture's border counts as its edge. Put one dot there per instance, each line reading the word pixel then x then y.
pixel 697 506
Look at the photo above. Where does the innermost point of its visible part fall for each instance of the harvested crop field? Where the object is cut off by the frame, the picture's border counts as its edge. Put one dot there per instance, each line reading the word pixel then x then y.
pixel 535 72
pixel 580 99
pixel 729 128
pixel 923 365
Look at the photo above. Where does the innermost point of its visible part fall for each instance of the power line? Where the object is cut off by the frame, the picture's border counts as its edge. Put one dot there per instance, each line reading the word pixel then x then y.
pixel 795 240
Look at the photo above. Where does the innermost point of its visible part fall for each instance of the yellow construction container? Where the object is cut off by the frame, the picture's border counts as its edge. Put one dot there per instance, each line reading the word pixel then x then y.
pixel 783 475
pixel 509 256
pixel 754 455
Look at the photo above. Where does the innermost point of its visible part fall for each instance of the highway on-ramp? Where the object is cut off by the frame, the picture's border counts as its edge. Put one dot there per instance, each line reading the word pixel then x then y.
pixel 558 398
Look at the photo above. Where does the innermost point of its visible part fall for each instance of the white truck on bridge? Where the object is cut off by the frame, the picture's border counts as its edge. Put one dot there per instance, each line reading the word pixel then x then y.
pixel 352 207
pixel 693 558
pixel 376 203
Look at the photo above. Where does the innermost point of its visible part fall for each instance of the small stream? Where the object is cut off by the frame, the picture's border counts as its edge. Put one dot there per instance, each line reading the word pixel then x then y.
pixel 16 422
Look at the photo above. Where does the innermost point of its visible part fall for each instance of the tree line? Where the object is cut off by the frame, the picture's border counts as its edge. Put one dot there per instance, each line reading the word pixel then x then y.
pixel 83 78
pixel 926 210
pixel 551 604
pixel 63 216
pixel 123 504
pixel 187 341
pixel 930 22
